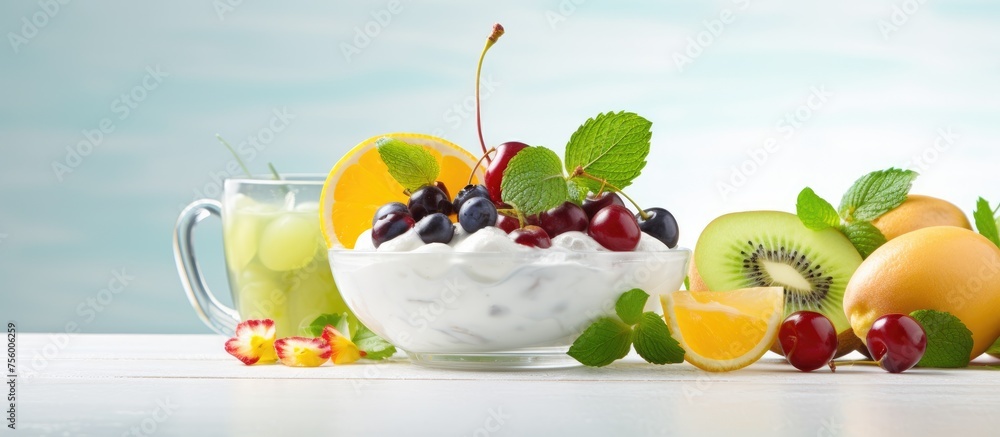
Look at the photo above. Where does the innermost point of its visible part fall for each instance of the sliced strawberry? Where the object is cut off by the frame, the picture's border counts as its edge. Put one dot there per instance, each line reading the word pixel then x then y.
pixel 343 350
pixel 302 351
pixel 254 342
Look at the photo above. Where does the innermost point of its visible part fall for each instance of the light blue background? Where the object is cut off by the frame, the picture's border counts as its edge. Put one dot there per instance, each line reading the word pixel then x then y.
pixel 61 239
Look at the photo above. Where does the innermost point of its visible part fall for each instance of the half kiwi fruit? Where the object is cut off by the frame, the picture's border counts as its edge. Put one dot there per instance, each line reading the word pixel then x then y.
pixel 774 249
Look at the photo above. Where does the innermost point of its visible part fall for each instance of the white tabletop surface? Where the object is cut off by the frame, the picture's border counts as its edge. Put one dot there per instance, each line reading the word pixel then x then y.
pixel 111 385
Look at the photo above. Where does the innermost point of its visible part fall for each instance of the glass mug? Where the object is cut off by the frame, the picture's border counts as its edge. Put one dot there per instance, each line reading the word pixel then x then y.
pixel 276 258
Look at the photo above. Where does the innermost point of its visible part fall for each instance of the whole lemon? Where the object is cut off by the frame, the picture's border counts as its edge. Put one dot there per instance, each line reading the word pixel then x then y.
pixel 942 268
pixel 919 212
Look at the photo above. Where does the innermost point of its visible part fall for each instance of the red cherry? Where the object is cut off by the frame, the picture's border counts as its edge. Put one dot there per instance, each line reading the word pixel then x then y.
pixel 615 228
pixel 507 223
pixel 494 172
pixel 808 340
pixel 592 203
pixel 563 218
pixel 897 342
pixel 532 236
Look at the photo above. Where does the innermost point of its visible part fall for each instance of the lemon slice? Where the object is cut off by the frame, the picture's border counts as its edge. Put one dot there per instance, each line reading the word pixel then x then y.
pixel 360 183
pixel 723 331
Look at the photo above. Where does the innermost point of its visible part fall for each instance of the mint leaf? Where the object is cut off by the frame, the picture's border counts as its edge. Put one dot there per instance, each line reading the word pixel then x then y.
pixel 949 342
pixel 338 321
pixel 864 236
pixel 687 282
pixel 815 212
pixel 603 342
pixel 985 223
pixel 533 181
pixel 375 347
pixel 876 193
pixel 612 147
pixel 630 304
pixel 577 190
pixel 995 349
pixel 653 341
pixel 409 164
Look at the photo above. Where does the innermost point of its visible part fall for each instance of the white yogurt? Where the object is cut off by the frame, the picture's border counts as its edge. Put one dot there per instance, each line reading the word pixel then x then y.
pixel 485 293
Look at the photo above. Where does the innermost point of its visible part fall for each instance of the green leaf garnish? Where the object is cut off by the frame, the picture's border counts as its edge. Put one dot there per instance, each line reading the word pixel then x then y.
pixel 611 146
pixel 533 181
pixel 577 190
pixel 815 212
pixel 949 341
pixel 603 342
pixel 338 321
pixel 985 223
pixel 630 304
pixel 654 343
pixel 409 164
pixel 864 236
pixel 609 339
pixel 875 194
pixel 375 347
pixel 237 156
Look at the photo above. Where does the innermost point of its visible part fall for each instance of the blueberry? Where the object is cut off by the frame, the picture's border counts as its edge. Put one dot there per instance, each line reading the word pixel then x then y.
pixel 660 225
pixel 429 200
pixel 389 227
pixel 435 228
pixel 389 208
pixel 470 192
pixel 477 213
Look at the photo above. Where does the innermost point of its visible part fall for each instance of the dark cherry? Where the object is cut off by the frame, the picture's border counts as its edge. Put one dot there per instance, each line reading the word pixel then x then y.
pixel 494 172
pixel 435 228
pixel 389 208
pixel 389 227
pixel 532 236
pixel 897 342
pixel 468 193
pixel 477 213
pixel 564 218
pixel 429 200
pixel 592 203
pixel 507 223
pixel 615 228
pixel 808 340
pixel 660 225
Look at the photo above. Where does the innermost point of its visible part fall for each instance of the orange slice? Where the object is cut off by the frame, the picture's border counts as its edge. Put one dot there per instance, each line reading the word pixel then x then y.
pixel 360 183
pixel 723 331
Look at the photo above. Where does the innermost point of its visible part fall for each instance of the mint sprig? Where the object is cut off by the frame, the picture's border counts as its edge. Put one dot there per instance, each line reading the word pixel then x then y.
pixel 815 212
pixel 612 147
pixel 533 181
pixel 409 164
pixel 374 347
pixel 949 341
pixel 872 195
pixel 609 339
pixel 986 224
pixel 876 193
pixel 864 236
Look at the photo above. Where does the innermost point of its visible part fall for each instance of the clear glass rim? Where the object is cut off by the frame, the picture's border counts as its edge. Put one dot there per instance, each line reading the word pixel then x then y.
pixel 286 179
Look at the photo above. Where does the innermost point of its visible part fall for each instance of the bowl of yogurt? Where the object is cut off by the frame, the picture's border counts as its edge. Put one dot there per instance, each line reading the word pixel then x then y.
pixel 485 302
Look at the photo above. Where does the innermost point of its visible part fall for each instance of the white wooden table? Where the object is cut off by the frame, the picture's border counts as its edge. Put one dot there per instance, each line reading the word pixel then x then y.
pixel 111 385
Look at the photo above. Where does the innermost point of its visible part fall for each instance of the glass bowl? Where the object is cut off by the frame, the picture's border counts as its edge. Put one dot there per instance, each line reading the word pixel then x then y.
pixel 496 310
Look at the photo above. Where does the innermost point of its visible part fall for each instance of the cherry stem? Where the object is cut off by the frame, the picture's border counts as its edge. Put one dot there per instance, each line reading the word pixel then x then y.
pixel 604 183
pixel 485 156
pixel 497 32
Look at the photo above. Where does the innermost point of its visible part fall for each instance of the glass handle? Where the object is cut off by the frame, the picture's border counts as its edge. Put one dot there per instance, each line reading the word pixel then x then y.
pixel 215 314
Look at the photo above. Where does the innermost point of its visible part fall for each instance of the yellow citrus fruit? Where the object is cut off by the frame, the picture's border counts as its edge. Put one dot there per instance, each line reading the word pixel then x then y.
pixel 360 183
pixel 723 331
pixel 942 268
pixel 919 212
